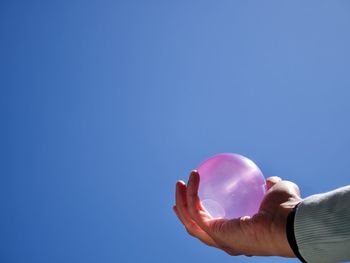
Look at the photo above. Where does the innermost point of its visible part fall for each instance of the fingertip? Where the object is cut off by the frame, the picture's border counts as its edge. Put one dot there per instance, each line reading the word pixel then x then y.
pixel 274 178
pixel 194 175
pixel 271 181
pixel 180 183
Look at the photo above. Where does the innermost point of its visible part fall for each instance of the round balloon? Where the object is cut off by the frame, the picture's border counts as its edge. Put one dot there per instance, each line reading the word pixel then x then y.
pixel 231 186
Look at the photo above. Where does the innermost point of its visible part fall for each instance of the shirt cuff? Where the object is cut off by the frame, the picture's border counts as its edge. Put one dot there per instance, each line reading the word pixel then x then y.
pixel 291 236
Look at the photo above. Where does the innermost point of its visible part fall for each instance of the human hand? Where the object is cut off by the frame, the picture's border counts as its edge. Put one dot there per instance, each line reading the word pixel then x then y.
pixel 264 234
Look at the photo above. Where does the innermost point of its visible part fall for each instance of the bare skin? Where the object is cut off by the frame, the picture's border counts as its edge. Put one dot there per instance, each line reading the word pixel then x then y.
pixel 264 234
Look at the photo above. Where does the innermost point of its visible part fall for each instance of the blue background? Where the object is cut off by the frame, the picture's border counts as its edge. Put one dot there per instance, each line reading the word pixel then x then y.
pixel 105 104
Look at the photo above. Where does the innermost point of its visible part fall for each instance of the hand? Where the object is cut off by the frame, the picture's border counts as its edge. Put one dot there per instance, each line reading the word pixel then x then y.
pixel 264 234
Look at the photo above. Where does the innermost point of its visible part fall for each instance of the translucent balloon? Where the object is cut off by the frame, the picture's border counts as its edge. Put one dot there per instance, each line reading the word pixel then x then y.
pixel 231 186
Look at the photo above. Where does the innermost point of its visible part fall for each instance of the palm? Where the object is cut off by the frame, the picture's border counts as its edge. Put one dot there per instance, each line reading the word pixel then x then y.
pixel 241 236
pixel 262 234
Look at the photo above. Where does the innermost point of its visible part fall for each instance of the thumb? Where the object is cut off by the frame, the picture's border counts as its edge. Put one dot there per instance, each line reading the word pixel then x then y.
pixel 271 181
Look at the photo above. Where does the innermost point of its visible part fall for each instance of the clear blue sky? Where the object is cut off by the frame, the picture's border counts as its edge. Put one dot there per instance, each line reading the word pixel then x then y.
pixel 105 104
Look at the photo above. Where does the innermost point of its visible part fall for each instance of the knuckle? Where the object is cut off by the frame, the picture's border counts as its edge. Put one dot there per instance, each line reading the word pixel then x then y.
pixel 293 186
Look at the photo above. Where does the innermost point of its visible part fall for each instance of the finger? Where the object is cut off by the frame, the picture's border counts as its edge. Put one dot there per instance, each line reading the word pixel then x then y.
pixel 180 195
pixel 182 213
pixel 211 226
pixel 200 216
pixel 180 217
pixel 181 205
pixel 194 230
pixel 271 181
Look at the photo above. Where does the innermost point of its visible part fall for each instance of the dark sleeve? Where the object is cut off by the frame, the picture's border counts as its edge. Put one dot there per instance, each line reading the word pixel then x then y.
pixel 291 237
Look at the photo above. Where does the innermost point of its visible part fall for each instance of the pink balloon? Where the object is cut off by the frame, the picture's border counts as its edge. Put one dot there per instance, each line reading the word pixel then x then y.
pixel 231 186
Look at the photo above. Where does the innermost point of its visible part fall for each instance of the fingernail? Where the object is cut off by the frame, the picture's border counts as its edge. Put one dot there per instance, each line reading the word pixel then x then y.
pixel 194 174
pixel 180 182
